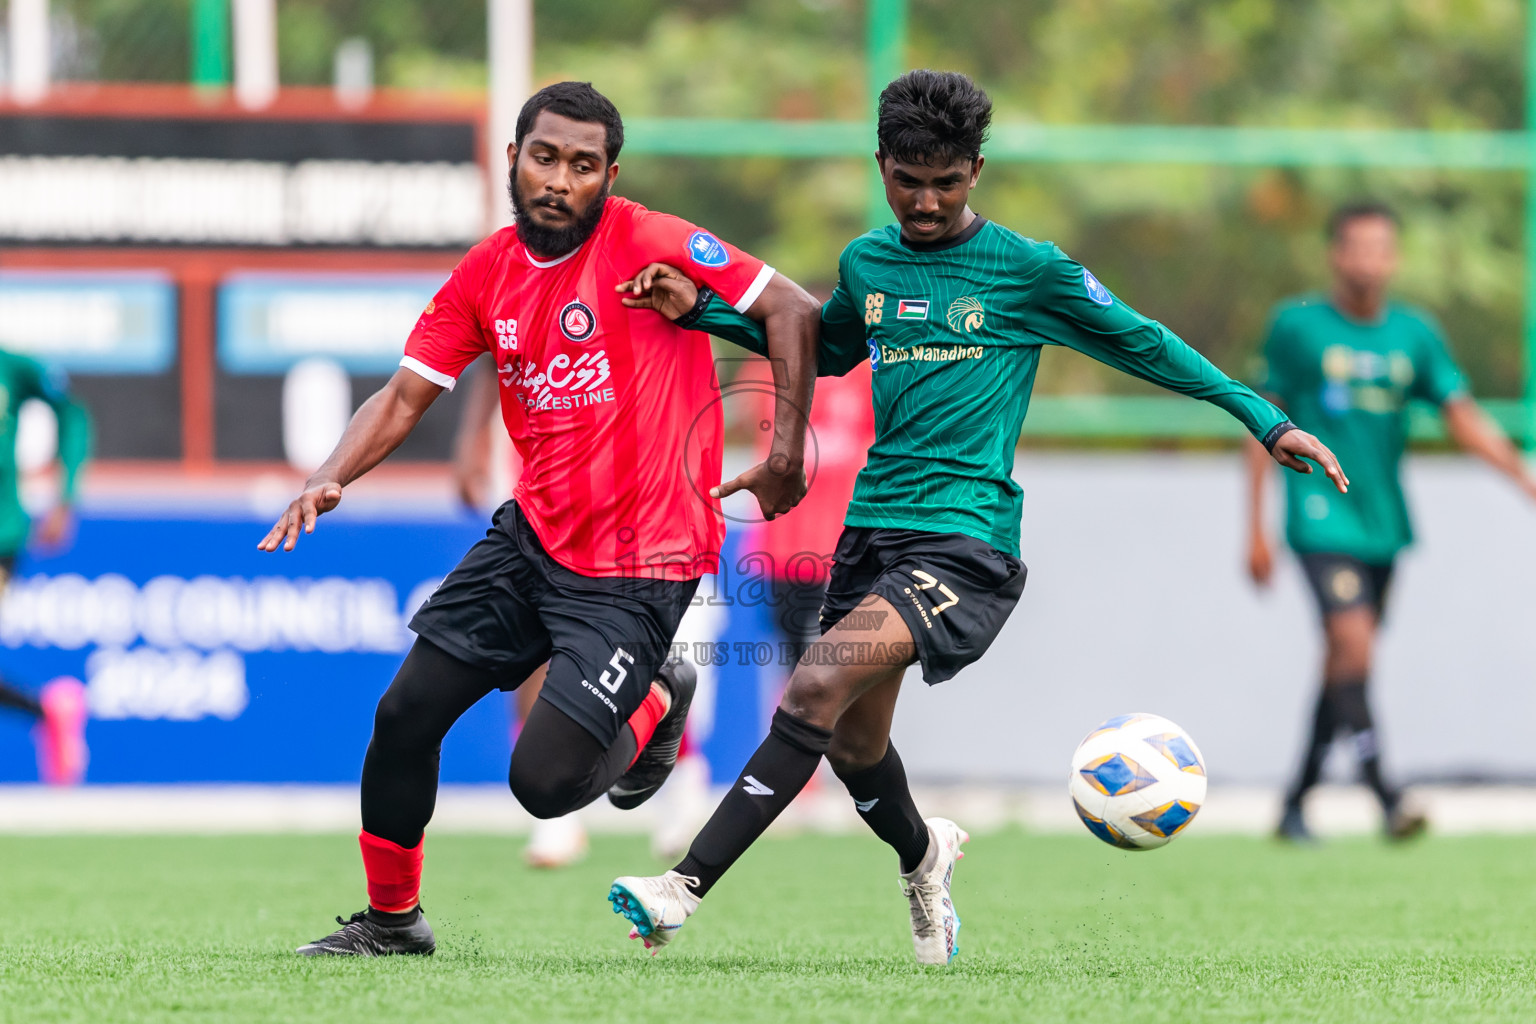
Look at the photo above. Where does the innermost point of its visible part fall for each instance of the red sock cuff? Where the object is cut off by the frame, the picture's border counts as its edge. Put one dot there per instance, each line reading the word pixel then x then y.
pixel 394 873
pixel 645 719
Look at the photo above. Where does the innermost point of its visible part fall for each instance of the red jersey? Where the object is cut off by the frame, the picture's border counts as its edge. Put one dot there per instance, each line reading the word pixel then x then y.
pixel 615 411
pixel 799 544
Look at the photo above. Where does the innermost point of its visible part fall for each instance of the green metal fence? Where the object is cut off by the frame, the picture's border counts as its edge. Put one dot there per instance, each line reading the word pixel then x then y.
pixel 1105 416
pixel 1085 416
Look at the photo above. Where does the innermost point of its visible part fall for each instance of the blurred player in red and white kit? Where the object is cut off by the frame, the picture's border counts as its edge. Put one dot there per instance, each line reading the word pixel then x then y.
pixel 589 568
pixel 798 547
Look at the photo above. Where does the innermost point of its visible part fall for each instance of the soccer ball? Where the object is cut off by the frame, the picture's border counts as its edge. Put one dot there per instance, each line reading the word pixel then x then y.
pixel 1137 781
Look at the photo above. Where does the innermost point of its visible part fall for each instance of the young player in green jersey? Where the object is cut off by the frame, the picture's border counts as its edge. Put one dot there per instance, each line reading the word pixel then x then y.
pixel 952 311
pixel 60 706
pixel 1347 364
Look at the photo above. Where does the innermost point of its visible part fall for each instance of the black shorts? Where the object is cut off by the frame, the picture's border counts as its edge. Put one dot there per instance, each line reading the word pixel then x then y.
pixel 1340 582
pixel 509 607
pixel 953 591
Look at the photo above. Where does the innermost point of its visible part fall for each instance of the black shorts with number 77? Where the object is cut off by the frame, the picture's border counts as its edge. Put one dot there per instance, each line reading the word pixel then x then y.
pixel 954 592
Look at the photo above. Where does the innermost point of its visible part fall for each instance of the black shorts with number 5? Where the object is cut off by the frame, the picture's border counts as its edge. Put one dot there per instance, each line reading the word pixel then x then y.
pixel 954 592
pixel 509 607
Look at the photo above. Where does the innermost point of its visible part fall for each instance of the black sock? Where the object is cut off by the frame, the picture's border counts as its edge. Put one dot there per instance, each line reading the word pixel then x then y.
pixel 773 777
pixel 389 920
pixel 10 697
pixel 885 803
pixel 1354 713
pixel 1324 724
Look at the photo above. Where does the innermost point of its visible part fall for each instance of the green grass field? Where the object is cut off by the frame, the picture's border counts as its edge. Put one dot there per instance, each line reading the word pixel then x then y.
pixel 1057 928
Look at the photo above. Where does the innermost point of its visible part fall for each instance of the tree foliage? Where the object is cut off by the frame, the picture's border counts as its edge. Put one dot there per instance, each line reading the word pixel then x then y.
pixel 1207 250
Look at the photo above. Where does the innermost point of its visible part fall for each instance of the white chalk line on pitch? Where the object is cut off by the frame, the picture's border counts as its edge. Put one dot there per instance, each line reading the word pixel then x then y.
pixel 216 809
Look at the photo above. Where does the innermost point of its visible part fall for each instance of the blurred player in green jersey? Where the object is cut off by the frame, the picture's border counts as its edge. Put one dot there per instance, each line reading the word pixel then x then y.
pixel 951 311
pixel 1346 364
pixel 59 708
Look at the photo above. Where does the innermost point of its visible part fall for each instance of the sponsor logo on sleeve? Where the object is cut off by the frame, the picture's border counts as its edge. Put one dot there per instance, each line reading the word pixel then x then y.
pixel 577 321
pixel 426 314
pixel 1096 291
pixel 912 309
pixel 706 250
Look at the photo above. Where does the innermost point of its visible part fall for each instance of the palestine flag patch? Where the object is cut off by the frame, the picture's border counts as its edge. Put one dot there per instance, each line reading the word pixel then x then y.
pixel 912 309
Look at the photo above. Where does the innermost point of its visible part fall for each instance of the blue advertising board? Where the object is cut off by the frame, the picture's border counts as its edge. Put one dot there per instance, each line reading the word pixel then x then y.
pixel 269 321
pixel 207 660
pixel 91 322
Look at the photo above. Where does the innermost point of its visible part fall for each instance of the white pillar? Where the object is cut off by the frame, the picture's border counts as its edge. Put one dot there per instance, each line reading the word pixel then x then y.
pixel 354 73
pixel 255 31
pixel 509 50
pixel 31 52
pixel 317 403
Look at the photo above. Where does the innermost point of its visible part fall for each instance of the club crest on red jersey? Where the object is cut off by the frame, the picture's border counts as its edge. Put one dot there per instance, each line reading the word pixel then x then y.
pixel 577 321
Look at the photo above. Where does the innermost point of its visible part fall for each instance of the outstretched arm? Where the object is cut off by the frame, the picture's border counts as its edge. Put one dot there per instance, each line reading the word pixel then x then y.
pixel 782 325
pixel 1070 307
pixel 1152 352
pixel 1476 433
pixel 789 316
pixel 668 290
pixel 376 429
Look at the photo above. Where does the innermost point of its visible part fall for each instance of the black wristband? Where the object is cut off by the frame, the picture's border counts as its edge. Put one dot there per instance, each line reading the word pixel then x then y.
pixel 694 315
pixel 1276 432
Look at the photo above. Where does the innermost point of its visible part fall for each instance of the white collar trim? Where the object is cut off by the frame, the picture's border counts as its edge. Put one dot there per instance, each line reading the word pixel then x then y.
pixel 551 263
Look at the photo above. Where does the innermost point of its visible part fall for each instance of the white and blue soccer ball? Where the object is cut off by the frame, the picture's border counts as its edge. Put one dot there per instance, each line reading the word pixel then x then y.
pixel 1137 781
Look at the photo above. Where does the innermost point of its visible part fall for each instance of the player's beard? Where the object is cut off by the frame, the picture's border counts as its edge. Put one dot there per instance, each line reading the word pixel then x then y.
pixel 554 241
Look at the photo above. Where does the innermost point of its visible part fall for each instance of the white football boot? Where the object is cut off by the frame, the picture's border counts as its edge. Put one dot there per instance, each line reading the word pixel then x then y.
pixel 655 906
pixel 935 925
pixel 556 842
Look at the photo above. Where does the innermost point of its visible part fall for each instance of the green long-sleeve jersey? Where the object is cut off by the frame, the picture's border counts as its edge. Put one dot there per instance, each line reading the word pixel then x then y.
pixel 22 378
pixel 953 332
pixel 1351 383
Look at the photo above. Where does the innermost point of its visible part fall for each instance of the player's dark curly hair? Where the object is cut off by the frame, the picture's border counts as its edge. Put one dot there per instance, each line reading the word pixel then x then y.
pixel 1358 209
pixel 934 118
pixel 579 102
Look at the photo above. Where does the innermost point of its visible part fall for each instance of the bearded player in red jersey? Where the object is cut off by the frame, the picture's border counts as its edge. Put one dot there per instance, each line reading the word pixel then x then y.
pixel 591 565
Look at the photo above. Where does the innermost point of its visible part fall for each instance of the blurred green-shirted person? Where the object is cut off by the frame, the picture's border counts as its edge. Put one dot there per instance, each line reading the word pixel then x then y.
pixel 60 706
pixel 1346 364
